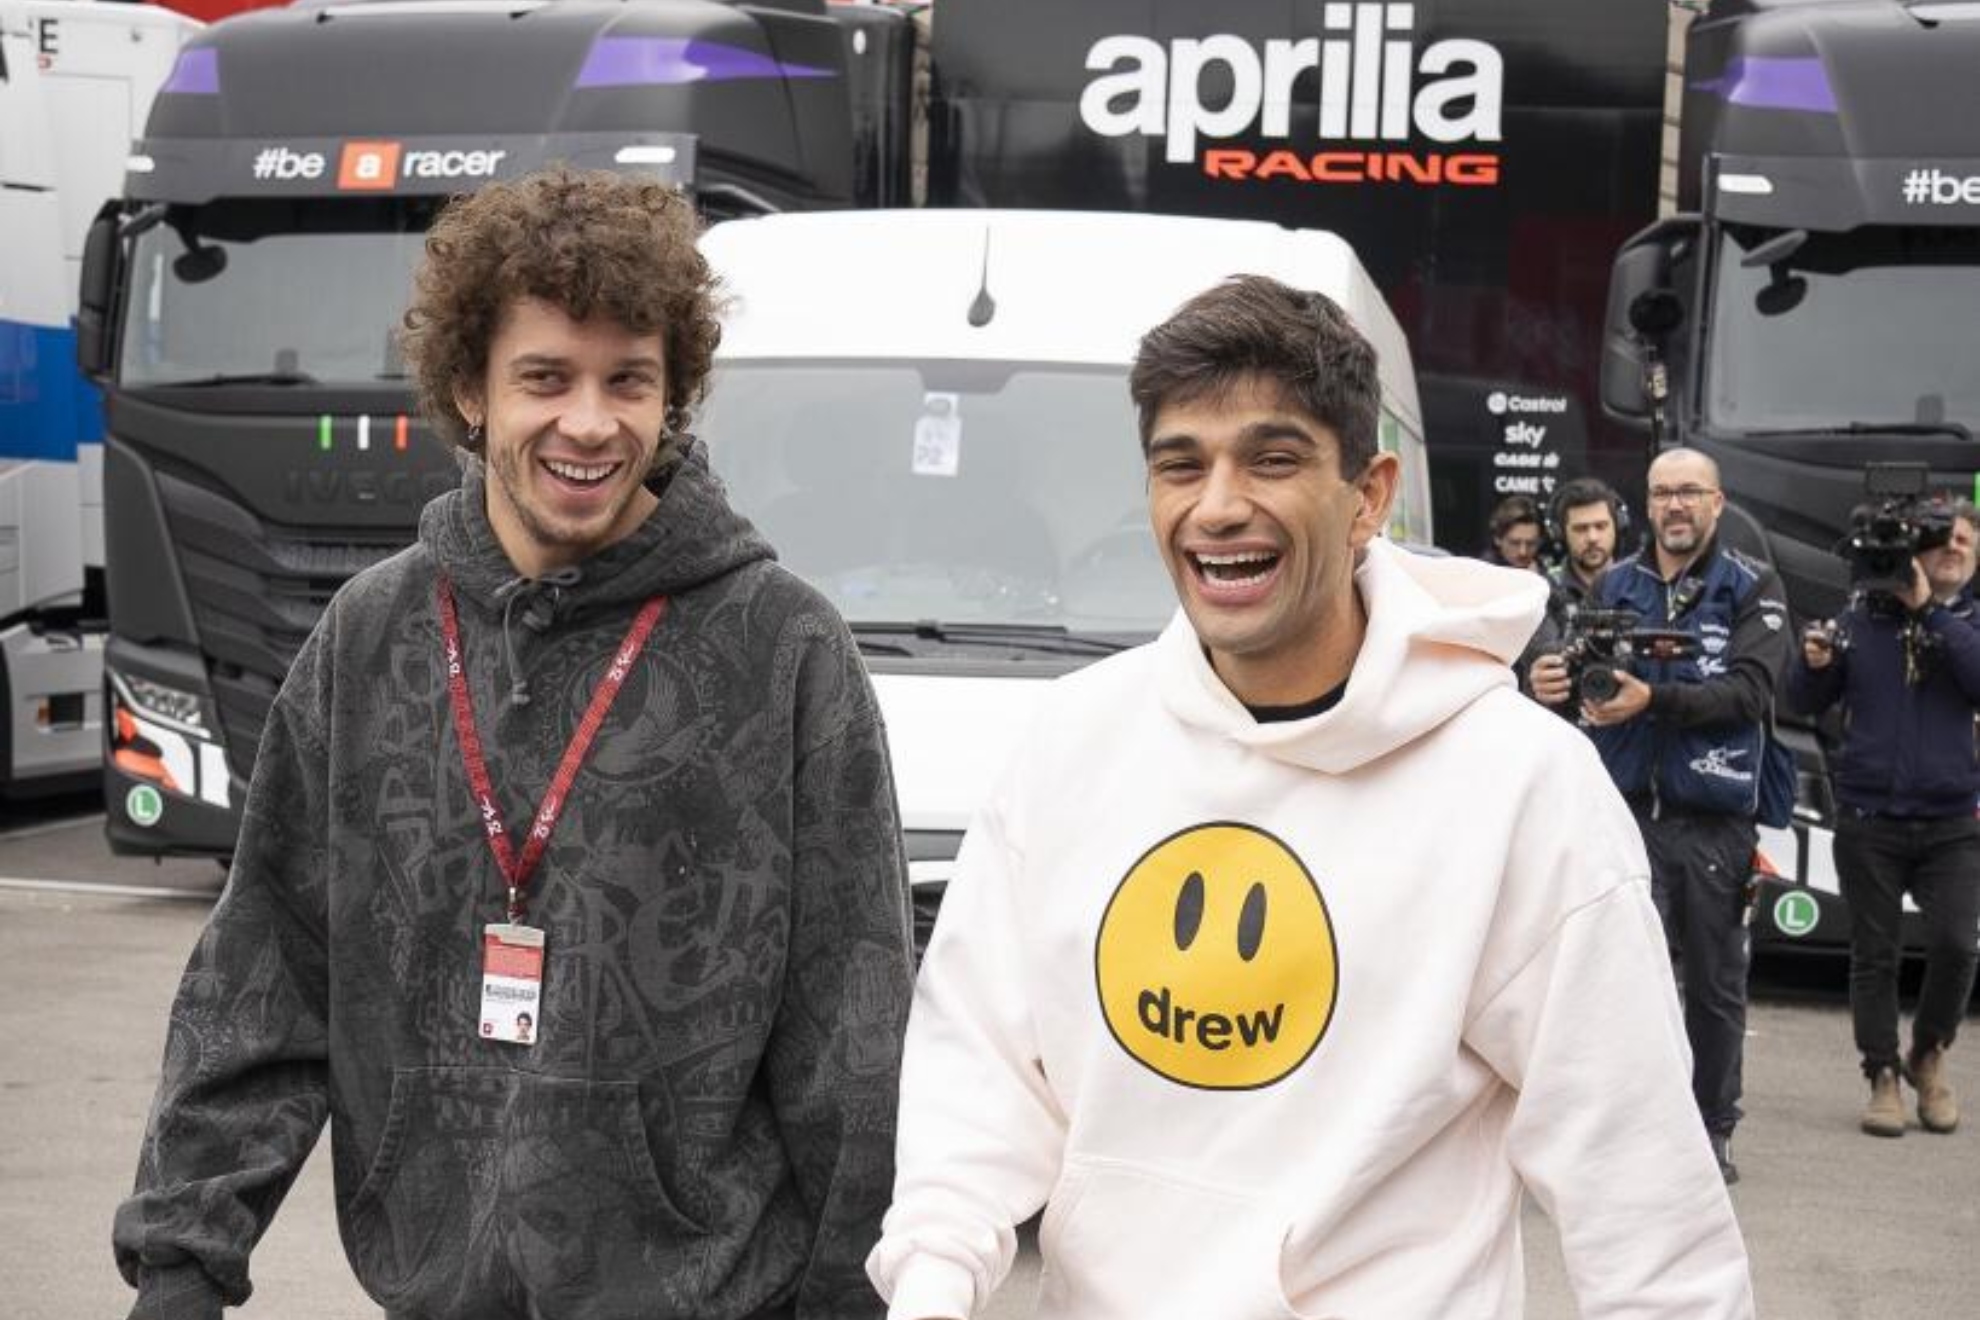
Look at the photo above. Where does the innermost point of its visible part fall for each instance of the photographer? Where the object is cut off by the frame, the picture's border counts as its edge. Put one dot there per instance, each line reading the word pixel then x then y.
pixel 1904 662
pixel 1683 739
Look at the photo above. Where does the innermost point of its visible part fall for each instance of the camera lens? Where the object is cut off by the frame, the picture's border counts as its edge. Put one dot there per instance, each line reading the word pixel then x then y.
pixel 1599 685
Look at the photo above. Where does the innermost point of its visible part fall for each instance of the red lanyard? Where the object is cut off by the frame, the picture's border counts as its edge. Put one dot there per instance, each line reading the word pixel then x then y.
pixel 517 870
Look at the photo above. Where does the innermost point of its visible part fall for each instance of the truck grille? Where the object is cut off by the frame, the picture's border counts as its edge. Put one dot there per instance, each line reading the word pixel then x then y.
pixel 256 591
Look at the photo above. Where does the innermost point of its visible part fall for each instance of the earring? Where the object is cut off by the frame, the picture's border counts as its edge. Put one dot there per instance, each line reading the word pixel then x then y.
pixel 676 419
pixel 475 435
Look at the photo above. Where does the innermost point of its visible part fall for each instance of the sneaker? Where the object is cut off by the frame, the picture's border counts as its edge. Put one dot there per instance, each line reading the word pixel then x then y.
pixel 1938 1107
pixel 1884 1115
pixel 1722 1151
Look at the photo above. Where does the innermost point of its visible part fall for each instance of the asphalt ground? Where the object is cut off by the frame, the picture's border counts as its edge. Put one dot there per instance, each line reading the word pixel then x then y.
pixel 1840 1226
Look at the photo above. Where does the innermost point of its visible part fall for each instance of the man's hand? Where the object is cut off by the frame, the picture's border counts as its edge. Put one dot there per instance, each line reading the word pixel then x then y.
pixel 1547 679
pixel 1818 645
pixel 1920 594
pixel 1632 699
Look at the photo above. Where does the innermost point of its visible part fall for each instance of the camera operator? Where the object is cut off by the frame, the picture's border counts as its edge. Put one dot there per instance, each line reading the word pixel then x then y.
pixel 1586 518
pixel 1904 662
pixel 1683 739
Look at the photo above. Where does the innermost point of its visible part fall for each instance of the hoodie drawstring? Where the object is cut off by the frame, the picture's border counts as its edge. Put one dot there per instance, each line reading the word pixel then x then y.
pixel 542 595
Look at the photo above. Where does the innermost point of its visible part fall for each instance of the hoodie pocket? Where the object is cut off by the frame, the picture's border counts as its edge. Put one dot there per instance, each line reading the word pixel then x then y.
pixel 486 1179
pixel 1123 1242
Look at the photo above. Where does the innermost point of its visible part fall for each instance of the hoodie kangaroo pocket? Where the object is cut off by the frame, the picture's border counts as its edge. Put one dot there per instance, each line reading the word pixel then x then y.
pixel 1122 1242
pixel 485 1179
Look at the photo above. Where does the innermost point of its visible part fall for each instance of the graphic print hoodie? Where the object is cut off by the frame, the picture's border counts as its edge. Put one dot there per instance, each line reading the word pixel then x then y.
pixel 1275 1020
pixel 704 1124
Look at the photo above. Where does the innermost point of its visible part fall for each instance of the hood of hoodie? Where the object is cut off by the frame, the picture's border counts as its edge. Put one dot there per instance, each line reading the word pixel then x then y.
pixel 693 537
pixel 1441 634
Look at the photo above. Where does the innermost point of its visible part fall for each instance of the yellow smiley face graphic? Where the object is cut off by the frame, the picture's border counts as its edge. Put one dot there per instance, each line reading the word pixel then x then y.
pixel 1216 963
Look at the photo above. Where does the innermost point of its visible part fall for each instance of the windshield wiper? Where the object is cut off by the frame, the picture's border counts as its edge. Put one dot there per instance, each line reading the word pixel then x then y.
pixel 877 646
pixel 240 378
pixel 1052 638
pixel 1957 430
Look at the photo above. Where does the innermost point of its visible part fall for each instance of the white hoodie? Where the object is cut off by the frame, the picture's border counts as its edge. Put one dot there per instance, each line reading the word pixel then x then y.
pixel 1274 1020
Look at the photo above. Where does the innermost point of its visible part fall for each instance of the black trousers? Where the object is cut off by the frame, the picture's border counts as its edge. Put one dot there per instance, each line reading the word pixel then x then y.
pixel 1879 860
pixel 1699 867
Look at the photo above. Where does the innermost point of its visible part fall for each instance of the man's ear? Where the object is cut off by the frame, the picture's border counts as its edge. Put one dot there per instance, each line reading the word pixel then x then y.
pixel 469 404
pixel 1376 489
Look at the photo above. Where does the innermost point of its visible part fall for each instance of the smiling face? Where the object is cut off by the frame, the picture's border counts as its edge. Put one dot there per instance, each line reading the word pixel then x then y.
pixel 574 412
pixel 1215 963
pixel 1260 530
pixel 1685 503
pixel 1950 567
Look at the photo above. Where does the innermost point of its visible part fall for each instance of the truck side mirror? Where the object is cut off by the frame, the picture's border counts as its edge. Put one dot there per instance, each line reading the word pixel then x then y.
pixel 1654 313
pixel 98 293
pixel 1643 310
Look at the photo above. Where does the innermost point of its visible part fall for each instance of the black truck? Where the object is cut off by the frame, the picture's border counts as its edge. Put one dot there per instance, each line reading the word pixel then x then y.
pixel 1810 316
pixel 1814 307
pixel 239 301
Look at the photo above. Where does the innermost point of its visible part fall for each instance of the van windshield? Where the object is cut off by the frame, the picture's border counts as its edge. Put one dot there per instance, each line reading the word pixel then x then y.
pixel 1870 326
pixel 946 492
pixel 278 292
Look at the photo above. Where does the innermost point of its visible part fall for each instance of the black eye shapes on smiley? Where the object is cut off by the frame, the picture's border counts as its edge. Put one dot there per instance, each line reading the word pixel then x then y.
pixel 1189 916
pixel 1215 963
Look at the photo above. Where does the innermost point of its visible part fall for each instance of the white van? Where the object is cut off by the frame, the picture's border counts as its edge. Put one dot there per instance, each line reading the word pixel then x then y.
pixel 927 413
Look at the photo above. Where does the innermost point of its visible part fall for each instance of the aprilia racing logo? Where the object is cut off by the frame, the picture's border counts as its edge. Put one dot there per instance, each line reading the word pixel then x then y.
pixel 1374 88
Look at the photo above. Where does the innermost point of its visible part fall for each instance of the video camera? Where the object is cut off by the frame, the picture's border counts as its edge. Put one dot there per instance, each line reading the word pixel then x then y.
pixel 1597 642
pixel 1900 524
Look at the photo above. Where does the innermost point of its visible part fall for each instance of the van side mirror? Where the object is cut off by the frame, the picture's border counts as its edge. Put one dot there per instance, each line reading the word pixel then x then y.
pixel 98 293
pixel 1643 311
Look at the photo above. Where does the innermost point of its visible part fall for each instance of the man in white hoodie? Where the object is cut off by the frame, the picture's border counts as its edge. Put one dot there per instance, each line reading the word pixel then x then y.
pixel 1293 946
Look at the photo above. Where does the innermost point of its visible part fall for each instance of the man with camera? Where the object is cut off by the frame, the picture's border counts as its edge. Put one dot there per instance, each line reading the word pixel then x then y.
pixel 1587 518
pixel 1683 733
pixel 1904 663
pixel 1583 522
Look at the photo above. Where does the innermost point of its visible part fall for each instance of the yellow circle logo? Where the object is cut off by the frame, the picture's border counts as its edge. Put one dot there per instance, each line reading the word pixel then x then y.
pixel 1216 963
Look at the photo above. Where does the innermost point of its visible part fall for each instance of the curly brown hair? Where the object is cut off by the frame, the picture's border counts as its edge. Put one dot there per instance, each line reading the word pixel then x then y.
pixel 590 242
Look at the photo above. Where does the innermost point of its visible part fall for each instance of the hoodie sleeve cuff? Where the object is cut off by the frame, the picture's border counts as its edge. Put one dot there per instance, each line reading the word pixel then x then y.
pixel 930 1287
pixel 181 1292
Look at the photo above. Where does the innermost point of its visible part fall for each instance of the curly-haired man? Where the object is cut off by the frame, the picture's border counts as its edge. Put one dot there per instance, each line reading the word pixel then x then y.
pixel 584 757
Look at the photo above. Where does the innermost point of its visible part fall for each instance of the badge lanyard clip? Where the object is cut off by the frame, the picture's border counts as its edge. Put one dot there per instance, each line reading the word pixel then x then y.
pixel 513 954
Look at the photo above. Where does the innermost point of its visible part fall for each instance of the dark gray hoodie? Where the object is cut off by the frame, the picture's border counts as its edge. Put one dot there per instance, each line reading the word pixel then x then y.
pixel 704 1127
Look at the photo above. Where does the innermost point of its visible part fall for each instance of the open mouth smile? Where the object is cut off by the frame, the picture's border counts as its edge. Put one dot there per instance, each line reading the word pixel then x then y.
pixel 1235 571
pixel 583 476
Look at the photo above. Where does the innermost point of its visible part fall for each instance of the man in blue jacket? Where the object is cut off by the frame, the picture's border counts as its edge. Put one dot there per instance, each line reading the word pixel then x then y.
pixel 1684 740
pixel 1906 668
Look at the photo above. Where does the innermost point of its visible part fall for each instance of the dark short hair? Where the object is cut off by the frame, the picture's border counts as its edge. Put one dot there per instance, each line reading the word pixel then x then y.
pixel 1513 510
pixel 592 243
pixel 1252 326
pixel 1580 493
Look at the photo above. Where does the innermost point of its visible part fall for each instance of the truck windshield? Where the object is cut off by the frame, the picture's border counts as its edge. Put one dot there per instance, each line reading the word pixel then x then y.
pixel 276 292
pixel 1874 325
pixel 946 492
